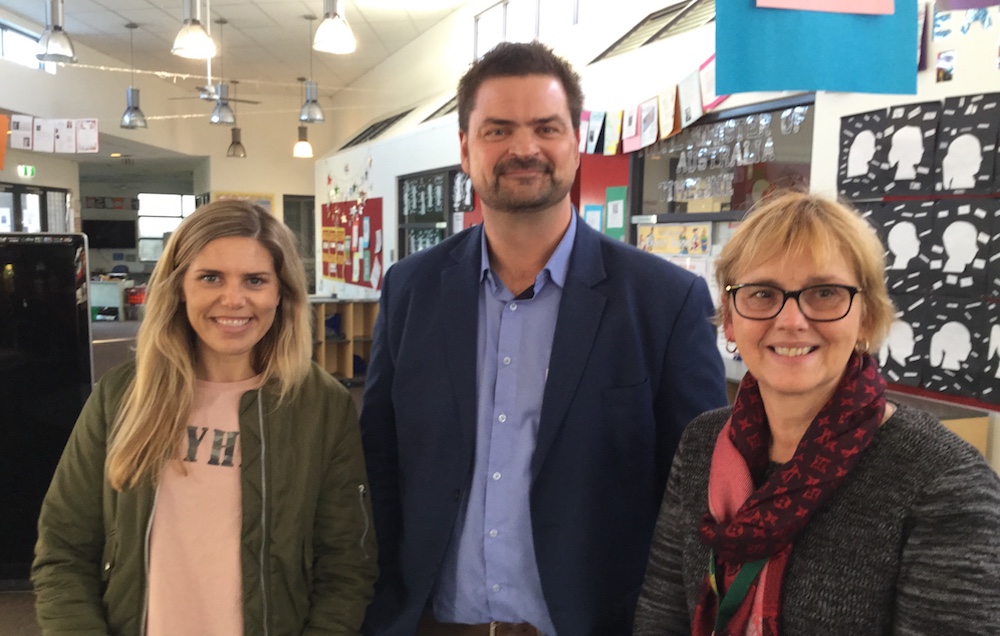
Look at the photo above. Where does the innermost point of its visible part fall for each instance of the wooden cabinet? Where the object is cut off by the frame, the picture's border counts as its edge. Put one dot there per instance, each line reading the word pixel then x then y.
pixel 343 336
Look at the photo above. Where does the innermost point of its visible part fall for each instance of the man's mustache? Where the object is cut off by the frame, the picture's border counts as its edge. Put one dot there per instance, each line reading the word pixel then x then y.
pixel 522 164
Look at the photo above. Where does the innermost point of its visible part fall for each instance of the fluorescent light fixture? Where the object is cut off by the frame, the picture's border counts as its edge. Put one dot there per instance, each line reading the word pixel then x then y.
pixel 303 149
pixel 236 148
pixel 311 113
pixel 334 34
pixel 193 41
pixel 56 45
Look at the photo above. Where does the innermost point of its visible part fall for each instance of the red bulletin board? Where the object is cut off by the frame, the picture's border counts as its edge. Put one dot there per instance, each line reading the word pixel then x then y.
pixel 353 243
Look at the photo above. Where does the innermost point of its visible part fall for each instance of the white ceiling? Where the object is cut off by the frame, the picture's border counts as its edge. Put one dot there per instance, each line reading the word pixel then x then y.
pixel 265 43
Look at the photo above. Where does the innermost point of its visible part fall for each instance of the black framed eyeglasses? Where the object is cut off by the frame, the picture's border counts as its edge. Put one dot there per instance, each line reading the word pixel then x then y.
pixel 818 303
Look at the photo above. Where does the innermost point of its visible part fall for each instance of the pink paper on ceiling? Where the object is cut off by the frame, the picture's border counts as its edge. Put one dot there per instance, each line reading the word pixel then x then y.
pixel 871 7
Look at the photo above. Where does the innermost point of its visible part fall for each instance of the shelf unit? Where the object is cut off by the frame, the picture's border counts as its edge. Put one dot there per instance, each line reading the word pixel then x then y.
pixel 336 350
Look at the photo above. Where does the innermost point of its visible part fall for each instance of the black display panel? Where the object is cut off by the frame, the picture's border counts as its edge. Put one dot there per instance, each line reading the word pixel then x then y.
pixel 45 376
pixel 110 234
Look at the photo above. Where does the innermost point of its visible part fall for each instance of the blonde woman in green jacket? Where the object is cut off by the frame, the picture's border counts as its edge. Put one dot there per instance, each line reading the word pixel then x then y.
pixel 216 485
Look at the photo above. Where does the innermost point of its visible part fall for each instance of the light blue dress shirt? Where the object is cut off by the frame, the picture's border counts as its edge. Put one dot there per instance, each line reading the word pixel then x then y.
pixel 490 571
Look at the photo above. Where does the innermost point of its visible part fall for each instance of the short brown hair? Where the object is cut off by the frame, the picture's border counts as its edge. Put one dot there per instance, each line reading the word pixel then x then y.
pixel 518 59
pixel 796 224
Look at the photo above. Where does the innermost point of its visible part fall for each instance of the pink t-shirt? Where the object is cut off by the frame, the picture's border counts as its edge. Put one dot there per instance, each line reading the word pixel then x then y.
pixel 195 577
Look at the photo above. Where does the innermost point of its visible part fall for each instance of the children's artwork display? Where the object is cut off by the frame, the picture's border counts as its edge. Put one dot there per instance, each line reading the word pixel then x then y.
pixel 907 152
pixel 907 232
pixel 858 171
pixel 967 143
pixel 958 334
pixel 961 245
pixel 903 355
pixel 352 243
pixel 935 209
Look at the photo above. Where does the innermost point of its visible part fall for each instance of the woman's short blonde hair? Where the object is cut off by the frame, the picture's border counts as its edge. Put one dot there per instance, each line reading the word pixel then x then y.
pixel 799 224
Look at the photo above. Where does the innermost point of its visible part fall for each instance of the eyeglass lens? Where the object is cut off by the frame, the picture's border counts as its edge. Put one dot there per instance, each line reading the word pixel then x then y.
pixel 821 302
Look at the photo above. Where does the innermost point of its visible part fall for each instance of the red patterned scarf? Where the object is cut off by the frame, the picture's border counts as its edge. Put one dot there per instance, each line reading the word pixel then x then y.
pixel 745 524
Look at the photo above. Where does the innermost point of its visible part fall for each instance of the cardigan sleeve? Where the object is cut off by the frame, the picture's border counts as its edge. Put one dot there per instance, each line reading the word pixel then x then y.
pixel 949 578
pixel 662 606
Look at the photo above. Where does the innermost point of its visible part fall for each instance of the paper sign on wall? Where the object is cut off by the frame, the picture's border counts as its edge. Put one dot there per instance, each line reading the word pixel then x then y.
pixel 87 138
pixel 4 126
pixel 21 133
pixel 44 136
pixel 630 130
pixel 584 129
pixel 868 7
pixel 649 131
pixel 689 98
pixel 612 131
pixel 594 131
pixel 670 117
pixel 706 75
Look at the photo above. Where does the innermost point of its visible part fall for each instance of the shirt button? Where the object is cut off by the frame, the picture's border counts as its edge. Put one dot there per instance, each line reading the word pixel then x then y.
pixel 496 476
pixel 494 533
pixel 506 361
pixel 496 587
pixel 502 418
pixel 513 306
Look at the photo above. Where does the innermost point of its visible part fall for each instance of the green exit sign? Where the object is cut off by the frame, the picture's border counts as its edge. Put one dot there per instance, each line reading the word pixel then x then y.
pixel 25 172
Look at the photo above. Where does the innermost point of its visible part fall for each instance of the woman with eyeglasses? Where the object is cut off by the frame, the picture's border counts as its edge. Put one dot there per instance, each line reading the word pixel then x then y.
pixel 815 505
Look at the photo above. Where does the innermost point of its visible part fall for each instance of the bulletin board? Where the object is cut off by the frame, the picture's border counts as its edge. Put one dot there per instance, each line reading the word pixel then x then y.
pixel 352 242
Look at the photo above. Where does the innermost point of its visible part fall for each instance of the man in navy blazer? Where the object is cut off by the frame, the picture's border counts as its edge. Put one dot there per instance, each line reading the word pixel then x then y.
pixel 528 384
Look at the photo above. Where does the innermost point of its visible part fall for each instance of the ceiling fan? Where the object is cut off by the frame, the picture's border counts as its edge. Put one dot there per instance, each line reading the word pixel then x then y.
pixel 219 91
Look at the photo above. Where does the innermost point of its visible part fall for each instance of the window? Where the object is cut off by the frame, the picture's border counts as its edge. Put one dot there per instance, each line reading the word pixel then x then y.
pixel 26 208
pixel 673 20
pixel 21 48
pixel 376 129
pixel 159 215
pixel 447 108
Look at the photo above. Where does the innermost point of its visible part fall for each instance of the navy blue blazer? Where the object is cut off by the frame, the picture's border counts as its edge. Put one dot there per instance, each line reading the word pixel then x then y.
pixel 633 361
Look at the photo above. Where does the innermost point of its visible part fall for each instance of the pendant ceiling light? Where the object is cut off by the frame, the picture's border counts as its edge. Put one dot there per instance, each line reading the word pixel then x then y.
pixel 236 148
pixel 193 41
pixel 222 113
pixel 133 117
pixel 311 113
pixel 56 45
pixel 334 34
pixel 303 149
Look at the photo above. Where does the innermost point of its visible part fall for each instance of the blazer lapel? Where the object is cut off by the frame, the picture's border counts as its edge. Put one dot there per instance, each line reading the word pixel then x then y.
pixel 579 317
pixel 459 326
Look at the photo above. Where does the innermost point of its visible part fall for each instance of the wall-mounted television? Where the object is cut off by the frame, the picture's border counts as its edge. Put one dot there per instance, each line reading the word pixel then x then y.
pixel 110 234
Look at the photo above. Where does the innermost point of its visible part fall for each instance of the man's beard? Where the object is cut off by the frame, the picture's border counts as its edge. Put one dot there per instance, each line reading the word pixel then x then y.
pixel 499 197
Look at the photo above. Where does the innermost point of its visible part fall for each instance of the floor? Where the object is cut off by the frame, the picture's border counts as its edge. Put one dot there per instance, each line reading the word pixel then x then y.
pixel 113 343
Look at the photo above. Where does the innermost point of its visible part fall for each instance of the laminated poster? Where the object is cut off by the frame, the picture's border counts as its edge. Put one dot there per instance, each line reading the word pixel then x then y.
pixel 868 7
pixel 65 131
pixel 592 216
pixel 631 141
pixel 44 135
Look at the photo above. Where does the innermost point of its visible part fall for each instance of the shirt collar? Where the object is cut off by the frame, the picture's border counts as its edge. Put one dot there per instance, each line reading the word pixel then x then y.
pixel 557 266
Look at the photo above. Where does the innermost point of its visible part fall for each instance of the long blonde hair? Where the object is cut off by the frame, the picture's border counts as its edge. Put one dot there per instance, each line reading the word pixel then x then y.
pixel 149 426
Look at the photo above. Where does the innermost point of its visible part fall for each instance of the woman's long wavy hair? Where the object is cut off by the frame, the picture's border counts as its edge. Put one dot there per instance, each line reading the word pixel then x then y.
pixel 149 426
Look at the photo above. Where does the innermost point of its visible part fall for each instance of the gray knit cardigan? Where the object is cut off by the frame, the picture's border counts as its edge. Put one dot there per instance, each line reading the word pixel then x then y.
pixel 909 544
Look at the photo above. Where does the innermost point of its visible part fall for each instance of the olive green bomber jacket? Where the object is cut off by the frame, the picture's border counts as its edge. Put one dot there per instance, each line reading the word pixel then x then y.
pixel 308 549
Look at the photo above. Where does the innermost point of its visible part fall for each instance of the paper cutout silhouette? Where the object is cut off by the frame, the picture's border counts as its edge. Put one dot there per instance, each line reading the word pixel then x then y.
pixel 899 344
pixel 962 163
pixel 904 244
pixel 906 150
pixel 960 245
pixel 861 153
pixel 951 346
pixel 967 143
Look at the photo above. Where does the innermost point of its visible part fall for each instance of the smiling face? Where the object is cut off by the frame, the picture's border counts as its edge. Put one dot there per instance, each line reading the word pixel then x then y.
pixel 792 357
pixel 231 294
pixel 521 149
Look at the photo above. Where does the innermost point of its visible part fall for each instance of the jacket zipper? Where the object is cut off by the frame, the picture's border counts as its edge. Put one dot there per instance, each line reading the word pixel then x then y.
pixel 145 563
pixel 263 504
pixel 364 515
